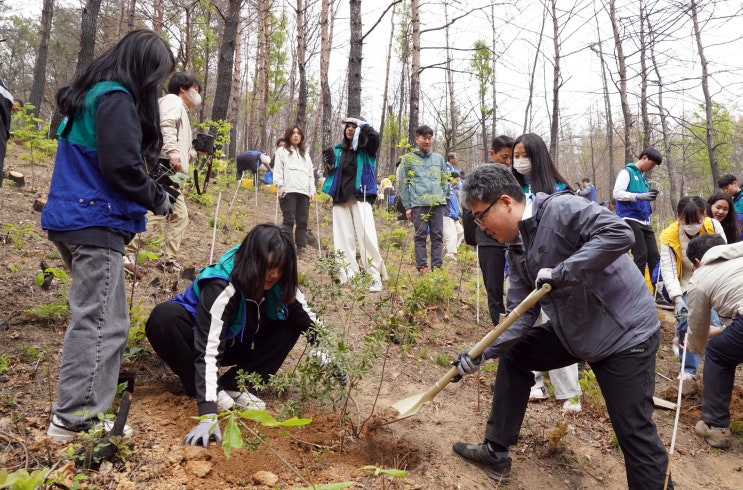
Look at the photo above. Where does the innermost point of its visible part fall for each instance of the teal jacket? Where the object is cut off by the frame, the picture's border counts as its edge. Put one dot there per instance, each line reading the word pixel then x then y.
pixel 423 179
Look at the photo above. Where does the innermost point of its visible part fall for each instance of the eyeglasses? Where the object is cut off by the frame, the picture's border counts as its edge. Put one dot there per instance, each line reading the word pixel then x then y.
pixel 478 219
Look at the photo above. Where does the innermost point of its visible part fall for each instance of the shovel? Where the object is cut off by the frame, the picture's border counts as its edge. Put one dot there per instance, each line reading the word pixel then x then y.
pixel 410 406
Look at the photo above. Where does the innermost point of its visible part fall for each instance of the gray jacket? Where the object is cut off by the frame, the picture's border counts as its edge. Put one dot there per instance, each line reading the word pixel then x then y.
pixel 423 179
pixel 601 304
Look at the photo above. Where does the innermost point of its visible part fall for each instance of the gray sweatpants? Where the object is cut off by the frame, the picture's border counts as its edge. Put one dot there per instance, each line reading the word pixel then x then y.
pixel 96 336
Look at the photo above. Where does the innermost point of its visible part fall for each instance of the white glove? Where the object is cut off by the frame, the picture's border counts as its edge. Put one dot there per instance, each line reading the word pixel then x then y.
pixel 327 362
pixel 205 430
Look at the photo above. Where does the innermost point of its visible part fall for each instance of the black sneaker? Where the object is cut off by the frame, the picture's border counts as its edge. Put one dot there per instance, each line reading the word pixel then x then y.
pixel 499 469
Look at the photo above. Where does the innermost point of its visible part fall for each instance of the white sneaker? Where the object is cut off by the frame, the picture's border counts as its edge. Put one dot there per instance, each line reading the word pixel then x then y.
pixel 538 393
pixel 451 257
pixel 59 433
pixel 246 401
pixel 376 286
pixel 572 405
pixel 687 376
pixel 224 401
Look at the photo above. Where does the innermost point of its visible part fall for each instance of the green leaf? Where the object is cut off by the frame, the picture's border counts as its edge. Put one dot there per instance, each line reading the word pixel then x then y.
pixel 39 279
pixel 266 419
pixel 232 437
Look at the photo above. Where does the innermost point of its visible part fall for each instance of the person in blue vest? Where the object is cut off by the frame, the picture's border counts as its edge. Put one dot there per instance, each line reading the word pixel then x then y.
pixel 728 183
pixel 587 190
pixel 245 311
pixel 633 195
pixel 350 170
pixel 99 194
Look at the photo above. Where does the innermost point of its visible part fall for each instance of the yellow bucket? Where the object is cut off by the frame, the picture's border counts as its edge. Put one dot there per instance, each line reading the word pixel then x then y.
pixel 273 188
pixel 246 183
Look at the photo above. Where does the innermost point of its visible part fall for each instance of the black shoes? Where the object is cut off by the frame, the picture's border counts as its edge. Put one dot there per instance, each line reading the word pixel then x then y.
pixel 499 469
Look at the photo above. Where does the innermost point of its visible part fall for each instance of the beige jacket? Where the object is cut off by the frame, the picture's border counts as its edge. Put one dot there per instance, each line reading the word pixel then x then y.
pixel 293 173
pixel 176 129
pixel 718 284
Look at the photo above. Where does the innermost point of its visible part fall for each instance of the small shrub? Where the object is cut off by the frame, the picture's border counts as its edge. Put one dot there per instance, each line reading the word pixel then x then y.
pixel 55 310
pixel 4 364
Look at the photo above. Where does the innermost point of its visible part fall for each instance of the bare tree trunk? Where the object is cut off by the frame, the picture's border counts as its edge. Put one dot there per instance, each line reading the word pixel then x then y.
pixel 302 64
pixel 668 161
pixel 130 17
pixel 709 131
pixel 235 95
pixel 226 62
pixel 452 139
pixel 494 31
pixel 598 49
pixel 387 170
pixel 326 43
pixel 354 61
pixel 555 124
pixel 88 26
pixel 37 88
pixel 415 70
pixel 621 63
pixel 527 111
pixel 157 22
pixel 265 16
pixel 646 140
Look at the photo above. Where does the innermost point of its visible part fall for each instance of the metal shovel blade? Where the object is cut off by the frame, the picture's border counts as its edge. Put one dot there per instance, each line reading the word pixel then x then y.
pixel 411 405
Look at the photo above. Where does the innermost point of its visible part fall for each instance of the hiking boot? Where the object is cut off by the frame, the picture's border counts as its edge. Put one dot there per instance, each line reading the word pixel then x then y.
pixel 497 468
pixel 130 266
pixel 60 433
pixel 169 266
pixel 718 437
pixel 422 271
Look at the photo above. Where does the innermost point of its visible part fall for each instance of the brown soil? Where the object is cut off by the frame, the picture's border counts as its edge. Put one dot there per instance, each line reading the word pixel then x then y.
pixel 325 451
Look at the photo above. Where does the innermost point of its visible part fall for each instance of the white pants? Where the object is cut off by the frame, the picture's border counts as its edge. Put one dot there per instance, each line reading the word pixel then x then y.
pixel 564 380
pixel 453 235
pixel 354 221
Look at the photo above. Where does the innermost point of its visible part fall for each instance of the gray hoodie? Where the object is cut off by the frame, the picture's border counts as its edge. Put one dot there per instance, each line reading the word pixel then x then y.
pixel 601 304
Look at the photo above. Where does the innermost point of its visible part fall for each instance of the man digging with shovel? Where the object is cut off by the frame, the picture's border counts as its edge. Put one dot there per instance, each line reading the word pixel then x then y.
pixel 600 311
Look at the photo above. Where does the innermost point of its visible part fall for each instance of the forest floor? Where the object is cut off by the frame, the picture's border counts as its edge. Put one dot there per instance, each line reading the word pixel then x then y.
pixel 555 450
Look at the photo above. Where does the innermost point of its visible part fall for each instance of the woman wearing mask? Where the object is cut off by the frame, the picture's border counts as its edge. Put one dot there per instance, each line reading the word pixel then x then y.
pixel 676 269
pixel 533 167
pixel 722 209
pixel 295 184
pixel 535 171
pixel 99 194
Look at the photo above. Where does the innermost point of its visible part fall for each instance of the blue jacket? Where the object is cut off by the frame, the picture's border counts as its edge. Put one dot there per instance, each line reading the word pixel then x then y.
pixel 637 210
pixel 189 299
pixel 81 195
pixel 366 169
pixel 453 210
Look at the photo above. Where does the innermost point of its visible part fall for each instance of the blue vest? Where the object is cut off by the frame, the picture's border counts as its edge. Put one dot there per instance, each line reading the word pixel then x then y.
pixel 637 210
pixel 79 195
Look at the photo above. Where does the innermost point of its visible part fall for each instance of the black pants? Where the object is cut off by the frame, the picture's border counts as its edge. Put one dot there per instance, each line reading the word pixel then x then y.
pixel 645 249
pixel 627 382
pixel 296 209
pixel 493 264
pixel 170 331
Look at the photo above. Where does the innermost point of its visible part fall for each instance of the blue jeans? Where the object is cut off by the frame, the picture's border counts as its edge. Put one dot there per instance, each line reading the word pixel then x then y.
pixel 692 360
pixel 724 353
pixel 96 336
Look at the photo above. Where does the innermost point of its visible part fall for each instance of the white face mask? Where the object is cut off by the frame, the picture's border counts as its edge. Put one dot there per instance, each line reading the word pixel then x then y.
pixel 194 97
pixel 691 229
pixel 522 165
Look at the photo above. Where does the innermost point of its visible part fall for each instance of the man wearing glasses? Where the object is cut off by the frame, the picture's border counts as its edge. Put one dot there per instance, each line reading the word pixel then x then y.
pixel 599 311
pixel 633 196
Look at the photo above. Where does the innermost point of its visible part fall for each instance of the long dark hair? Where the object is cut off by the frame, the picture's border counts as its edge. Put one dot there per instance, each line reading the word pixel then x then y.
pixel 544 173
pixel 140 62
pixel 287 139
pixel 690 207
pixel 730 223
pixel 266 246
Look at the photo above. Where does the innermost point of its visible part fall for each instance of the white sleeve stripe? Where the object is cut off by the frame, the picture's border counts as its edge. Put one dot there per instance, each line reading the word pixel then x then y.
pixel 300 298
pixel 211 350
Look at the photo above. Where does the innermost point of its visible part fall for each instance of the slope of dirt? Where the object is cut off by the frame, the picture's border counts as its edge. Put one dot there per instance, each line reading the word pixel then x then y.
pixel 325 451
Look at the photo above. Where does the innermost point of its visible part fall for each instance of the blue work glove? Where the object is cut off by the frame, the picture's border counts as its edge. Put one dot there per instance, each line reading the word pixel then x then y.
pixel 544 276
pixel 680 310
pixel 466 365
pixel 205 430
